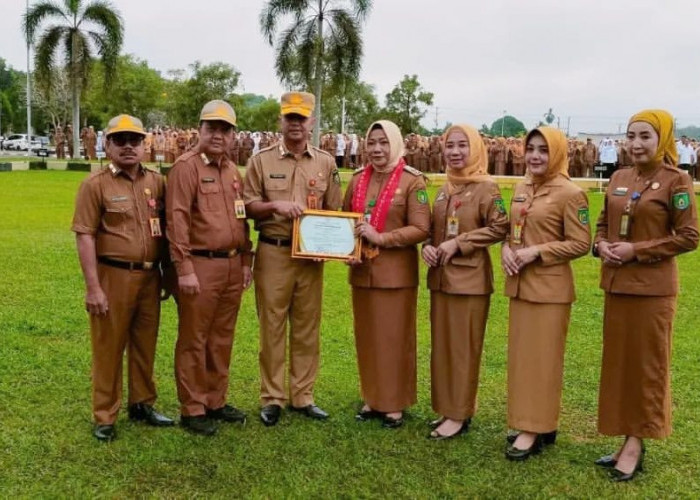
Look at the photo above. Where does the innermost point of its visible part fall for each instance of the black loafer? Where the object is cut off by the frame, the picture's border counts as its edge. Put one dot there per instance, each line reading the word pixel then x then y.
pixel 366 415
pixel 436 436
pixel 198 424
pixel 434 424
pixel 617 476
pixel 141 412
pixel 311 411
pixel 227 413
pixel 606 461
pixel 104 433
pixel 392 423
pixel 270 414
pixel 518 455
pixel 547 437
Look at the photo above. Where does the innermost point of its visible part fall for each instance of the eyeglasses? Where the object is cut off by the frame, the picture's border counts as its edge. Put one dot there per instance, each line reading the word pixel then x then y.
pixel 121 140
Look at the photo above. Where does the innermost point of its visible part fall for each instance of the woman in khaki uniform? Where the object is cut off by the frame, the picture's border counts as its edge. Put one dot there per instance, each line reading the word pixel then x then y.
pixel 648 218
pixel 548 228
pixel 385 283
pixel 468 216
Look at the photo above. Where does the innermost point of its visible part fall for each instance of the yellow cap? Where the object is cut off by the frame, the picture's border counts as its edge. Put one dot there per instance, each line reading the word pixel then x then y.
pixel 298 103
pixel 218 110
pixel 124 123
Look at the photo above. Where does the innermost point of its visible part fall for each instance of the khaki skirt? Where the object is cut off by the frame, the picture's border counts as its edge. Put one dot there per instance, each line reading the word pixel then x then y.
pixel 635 380
pixel 385 338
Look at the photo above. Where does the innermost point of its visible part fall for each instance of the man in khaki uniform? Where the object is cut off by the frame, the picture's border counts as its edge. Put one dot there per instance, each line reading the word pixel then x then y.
pixel 282 181
pixel 60 141
pixel 118 226
pixel 211 250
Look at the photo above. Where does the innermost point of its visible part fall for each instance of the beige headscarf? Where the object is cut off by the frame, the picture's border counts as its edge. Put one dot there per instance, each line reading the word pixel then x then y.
pixel 476 168
pixel 396 145
pixel 662 121
pixel 558 152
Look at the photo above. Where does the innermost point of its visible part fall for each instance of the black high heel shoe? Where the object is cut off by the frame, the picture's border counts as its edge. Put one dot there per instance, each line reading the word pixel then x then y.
pixel 617 476
pixel 518 455
pixel 607 461
pixel 547 437
pixel 391 422
pixel 366 415
pixel 436 436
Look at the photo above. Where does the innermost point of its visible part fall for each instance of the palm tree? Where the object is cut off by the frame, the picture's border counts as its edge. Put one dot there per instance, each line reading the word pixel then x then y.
pixel 79 29
pixel 306 50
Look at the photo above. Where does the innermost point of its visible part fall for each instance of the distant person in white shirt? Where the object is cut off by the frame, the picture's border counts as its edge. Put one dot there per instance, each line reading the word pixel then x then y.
pixel 607 155
pixel 339 150
pixel 686 155
pixel 354 144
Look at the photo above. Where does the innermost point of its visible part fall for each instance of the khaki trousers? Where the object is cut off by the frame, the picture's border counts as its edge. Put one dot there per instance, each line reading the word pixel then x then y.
pixel 458 323
pixel 206 327
pixel 536 342
pixel 287 289
pixel 130 324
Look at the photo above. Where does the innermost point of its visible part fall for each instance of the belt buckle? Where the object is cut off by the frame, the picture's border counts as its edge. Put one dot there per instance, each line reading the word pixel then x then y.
pixel 233 253
pixel 147 266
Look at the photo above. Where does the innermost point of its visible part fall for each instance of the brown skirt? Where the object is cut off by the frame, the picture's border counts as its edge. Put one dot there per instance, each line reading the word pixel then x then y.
pixel 635 380
pixel 385 338
pixel 536 342
pixel 458 323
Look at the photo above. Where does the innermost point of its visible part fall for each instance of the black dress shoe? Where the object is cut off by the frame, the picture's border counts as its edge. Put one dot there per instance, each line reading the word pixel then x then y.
pixel 516 454
pixel 617 476
pixel 198 424
pixel 434 424
pixel 227 413
pixel 366 415
pixel 311 411
pixel 547 437
pixel 270 414
pixel 436 436
pixel 391 422
pixel 104 432
pixel 606 461
pixel 141 412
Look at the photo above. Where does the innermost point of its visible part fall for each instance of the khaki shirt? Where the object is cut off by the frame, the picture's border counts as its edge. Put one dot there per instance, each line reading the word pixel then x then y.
pixel 556 221
pixel 407 224
pixel 116 211
pixel 200 210
pixel 482 222
pixel 274 174
pixel 664 223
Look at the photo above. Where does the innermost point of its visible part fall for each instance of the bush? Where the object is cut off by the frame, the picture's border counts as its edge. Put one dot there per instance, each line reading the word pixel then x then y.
pixel 5 167
pixel 37 165
pixel 78 166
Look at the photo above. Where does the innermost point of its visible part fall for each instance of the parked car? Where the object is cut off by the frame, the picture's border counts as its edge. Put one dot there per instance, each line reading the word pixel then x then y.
pixel 42 142
pixel 17 142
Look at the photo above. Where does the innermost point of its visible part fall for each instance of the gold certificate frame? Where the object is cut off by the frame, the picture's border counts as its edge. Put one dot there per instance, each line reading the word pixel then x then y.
pixel 324 234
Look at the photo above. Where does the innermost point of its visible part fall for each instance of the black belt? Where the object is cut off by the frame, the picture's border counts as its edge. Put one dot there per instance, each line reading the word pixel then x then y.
pixel 216 254
pixel 131 266
pixel 274 241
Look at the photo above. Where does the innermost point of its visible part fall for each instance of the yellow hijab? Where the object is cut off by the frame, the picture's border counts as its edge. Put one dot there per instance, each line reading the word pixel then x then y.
pixel 476 168
pixel 558 152
pixel 396 146
pixel 662 122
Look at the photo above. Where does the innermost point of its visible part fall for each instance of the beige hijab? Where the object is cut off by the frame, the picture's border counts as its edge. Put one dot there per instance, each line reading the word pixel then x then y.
pixel 396 145
pixel 476 168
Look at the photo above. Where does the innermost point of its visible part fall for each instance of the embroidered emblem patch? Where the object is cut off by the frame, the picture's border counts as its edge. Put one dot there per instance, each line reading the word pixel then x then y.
pixel 583 216
pixel 681 201
pixel 422 196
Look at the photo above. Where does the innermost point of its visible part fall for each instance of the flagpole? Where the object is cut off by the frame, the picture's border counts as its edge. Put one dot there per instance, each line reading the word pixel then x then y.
pixel 29 94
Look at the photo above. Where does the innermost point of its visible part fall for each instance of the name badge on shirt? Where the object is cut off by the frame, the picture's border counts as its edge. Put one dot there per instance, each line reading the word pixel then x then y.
pixel 119 198
pixel 520 197
pixel 208 179
pixel 278 176
pixel 620 191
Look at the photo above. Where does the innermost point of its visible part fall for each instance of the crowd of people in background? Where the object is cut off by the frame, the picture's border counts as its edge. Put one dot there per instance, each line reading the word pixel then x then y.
pixel 506 155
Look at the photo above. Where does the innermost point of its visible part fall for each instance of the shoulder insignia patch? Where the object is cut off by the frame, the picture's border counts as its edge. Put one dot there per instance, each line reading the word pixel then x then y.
pixel 681 200
pixel 441 196
pixel 422 196
pixel 412 170
pixel 583 216
pixel 500 206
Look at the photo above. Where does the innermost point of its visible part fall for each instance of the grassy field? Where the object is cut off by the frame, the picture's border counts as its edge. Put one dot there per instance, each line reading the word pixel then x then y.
pixel 45 419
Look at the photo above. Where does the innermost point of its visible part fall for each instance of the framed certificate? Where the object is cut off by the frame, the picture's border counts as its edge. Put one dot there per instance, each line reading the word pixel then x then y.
pixel 324 234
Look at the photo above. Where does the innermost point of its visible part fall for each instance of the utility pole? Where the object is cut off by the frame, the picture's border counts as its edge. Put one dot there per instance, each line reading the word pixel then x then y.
pixel 568 125
pixel 503 122
pixel 436 117
pixel 29 95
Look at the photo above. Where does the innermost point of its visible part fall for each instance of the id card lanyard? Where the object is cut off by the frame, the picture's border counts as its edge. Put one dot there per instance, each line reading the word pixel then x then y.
pixel 238 204
pixel 453 220
pixel 627 216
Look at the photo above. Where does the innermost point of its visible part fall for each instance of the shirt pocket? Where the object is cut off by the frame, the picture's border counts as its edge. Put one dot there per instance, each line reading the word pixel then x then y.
pixel 277 189
pixel 116 218
pixel 209 197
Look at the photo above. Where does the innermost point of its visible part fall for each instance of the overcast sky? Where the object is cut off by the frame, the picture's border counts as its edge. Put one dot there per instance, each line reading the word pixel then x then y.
pixel 595 61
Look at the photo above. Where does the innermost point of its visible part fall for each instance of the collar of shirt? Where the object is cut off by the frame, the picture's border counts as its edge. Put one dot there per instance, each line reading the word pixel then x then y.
pixel 116 170
pixel 284 152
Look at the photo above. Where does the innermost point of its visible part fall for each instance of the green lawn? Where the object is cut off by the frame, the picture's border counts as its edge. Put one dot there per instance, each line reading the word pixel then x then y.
pixel 45 418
